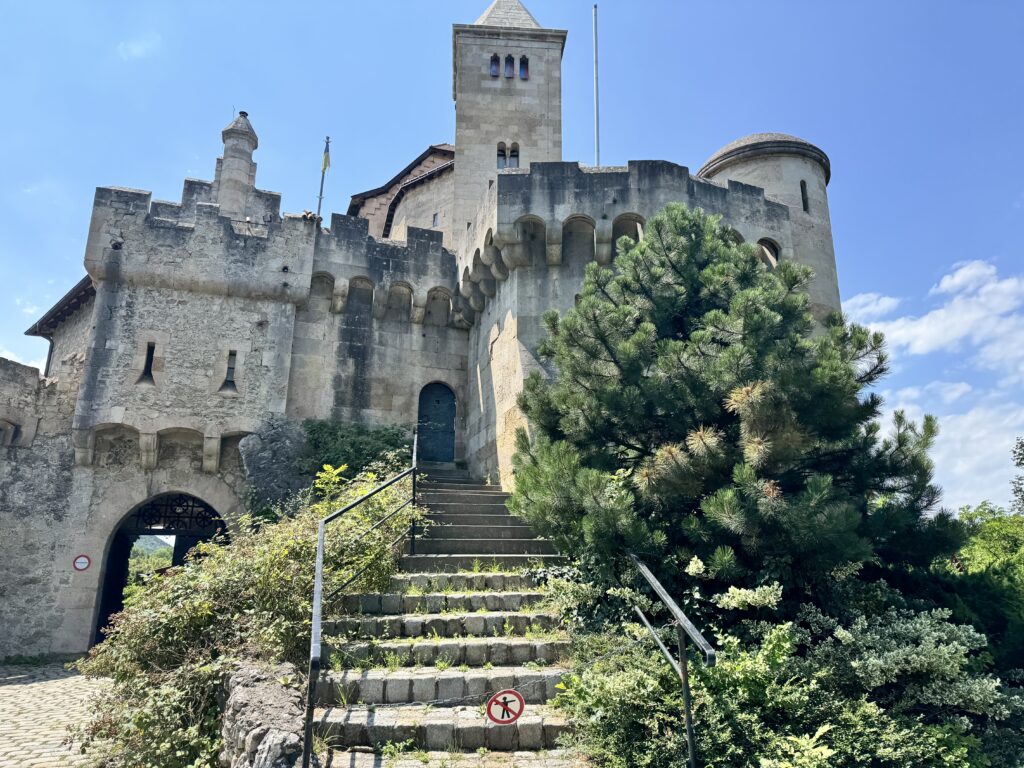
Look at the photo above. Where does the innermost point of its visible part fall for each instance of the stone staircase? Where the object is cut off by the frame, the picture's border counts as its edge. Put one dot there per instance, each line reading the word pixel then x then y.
pixel 413 667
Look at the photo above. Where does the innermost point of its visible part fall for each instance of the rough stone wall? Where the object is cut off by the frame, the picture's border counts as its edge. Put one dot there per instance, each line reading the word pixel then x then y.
pixel 262 724
pixel 380 323
pixel 420 203
pixel 71 338
pixel 35 492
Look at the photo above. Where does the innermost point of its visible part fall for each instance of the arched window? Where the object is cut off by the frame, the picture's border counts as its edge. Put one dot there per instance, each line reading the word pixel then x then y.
pixel 524 68
pixel 513 156
pixel 495 65
pixel 769 252
pixel 803 196
pixel 502 156
pixel 510 67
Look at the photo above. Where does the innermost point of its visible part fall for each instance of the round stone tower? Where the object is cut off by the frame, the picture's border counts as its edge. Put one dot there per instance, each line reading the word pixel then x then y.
pixel 796 173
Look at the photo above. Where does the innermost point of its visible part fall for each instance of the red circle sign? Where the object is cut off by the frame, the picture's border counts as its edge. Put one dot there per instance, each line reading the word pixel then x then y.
pixel 505 707
pixel 81 562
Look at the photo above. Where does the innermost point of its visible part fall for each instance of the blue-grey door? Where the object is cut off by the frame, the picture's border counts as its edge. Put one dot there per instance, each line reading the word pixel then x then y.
pixel 436 423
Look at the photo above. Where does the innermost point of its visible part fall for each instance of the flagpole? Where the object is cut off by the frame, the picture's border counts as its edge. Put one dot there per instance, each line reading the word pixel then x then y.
pixel 597 109
pixel 323 173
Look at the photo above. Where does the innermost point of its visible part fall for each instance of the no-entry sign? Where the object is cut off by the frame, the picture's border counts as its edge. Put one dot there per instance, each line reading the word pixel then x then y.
pixel 81 562
pixel 505 707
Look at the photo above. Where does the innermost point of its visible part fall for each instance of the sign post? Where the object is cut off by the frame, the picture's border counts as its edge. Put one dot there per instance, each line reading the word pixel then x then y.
pixel 505 707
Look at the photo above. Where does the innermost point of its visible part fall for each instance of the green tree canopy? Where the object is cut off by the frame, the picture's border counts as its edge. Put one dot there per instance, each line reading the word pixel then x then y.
pixel 696 411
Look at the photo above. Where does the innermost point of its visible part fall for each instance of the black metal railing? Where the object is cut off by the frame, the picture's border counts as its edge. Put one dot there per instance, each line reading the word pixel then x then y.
pixel 316 640
pixel 684 629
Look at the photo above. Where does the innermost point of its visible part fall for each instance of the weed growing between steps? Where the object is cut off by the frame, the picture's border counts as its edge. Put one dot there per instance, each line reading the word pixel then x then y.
pixel 169 650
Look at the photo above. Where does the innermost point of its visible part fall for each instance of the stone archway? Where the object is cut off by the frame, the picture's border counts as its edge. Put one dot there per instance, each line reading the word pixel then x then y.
pixel 436 423
pixel 187 518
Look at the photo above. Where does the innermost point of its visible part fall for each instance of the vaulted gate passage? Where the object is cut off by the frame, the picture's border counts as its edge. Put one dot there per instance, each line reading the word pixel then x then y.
pixel 436 423
pixel 186 519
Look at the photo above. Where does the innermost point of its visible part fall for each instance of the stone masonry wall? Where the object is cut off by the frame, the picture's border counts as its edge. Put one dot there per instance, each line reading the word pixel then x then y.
pixel 35 491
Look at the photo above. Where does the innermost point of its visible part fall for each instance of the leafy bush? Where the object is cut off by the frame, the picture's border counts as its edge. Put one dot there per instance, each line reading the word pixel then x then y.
pixel 345 444
pixel 168 651
pixel 763 705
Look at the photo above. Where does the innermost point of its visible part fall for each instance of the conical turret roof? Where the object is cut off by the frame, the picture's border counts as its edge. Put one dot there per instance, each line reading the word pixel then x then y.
pixel 240 126
pixel 507 13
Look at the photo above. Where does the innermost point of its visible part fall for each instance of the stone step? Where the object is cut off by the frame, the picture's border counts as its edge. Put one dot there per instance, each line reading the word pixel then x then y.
pixel 460 582
pixel 439 728
pixel 472 651
pixel 468 509
pixel 502 528
pixel 487 624
pixel 502 517
pixel 429 498
pixel 438 602
pixel 484 547
pixel 431 563
pixel 456 486
pixel 551 758
pixel 428 685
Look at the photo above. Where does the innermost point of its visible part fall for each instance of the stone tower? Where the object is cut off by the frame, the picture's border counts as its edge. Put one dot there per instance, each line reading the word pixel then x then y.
pixel 507 86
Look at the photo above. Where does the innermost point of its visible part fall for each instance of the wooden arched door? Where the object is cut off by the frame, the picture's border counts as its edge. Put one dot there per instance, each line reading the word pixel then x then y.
pixel 436 423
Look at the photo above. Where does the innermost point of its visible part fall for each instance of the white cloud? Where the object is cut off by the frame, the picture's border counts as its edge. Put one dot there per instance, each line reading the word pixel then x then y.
pixel 972 454
pixel 139 47
pixel 945 391
pixel 869 306
pixel 981 314
pixel 30 309
pixel 968 276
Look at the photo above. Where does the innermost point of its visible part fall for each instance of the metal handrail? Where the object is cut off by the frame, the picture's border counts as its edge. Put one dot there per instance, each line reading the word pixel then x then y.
pixel 684 629
pixel 315 639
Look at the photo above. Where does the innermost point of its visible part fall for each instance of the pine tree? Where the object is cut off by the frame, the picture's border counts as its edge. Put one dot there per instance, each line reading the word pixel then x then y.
pixel 697 411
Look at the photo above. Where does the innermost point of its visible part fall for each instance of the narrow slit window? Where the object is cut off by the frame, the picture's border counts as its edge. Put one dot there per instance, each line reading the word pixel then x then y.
pixel 229 375
pixel 510 67
pixel 147 368
pixel 524 68
pixel 803 196
pixel 436 220
pixel 495 65
pixel 502 157
pixel 513 156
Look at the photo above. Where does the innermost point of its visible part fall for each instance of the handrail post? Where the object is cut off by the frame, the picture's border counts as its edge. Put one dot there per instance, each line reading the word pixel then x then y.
pixel 314 647
pixel 684 677
pixel 415 472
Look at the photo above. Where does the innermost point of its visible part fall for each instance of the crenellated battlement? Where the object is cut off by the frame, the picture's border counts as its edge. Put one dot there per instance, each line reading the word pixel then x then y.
pixel 532 213
pixel 192 246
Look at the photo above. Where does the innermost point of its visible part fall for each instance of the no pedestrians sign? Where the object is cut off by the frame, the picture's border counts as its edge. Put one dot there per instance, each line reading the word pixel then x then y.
pixel 505 707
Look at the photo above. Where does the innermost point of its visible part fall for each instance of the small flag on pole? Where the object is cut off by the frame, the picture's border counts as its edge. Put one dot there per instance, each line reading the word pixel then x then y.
pixel 327 156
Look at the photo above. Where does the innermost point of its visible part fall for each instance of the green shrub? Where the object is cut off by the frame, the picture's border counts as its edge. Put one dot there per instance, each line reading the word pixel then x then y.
pixel 757 707
pixel 168 651
pixel 354 446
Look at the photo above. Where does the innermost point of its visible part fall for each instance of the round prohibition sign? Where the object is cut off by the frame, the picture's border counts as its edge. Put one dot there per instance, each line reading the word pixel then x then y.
pixel 505 707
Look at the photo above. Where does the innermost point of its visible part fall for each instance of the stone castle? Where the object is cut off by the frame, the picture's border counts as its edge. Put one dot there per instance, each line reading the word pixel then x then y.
pixel 203 326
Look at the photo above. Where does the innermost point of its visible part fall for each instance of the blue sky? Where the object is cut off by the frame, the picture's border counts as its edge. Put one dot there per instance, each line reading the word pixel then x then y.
pixel 918 104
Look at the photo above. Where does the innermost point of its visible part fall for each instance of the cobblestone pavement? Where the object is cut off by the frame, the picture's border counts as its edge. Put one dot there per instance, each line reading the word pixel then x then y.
pixel 37 704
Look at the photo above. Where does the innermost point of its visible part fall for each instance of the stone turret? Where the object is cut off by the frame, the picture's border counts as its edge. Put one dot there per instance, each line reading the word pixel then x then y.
pixel 794 172
pixel 236 172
